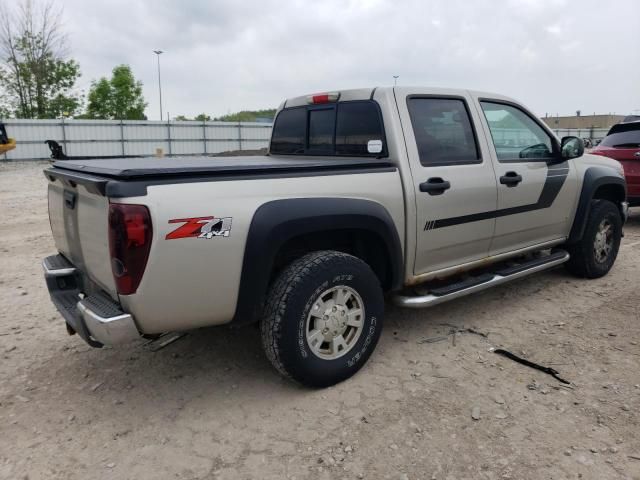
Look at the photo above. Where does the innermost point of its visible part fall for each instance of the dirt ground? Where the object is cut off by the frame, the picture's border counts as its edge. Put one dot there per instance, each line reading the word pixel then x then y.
pixel 210 406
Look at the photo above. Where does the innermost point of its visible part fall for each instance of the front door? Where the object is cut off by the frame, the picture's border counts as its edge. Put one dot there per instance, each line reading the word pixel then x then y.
pixel 536 194
pixel 454 180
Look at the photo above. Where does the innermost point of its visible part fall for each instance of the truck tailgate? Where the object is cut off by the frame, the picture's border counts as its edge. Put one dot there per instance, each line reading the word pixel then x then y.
pixel 79 223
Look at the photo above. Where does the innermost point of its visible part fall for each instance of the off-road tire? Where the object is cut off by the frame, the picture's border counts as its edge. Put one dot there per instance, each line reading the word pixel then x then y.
pixel 287 307
pixel 583 258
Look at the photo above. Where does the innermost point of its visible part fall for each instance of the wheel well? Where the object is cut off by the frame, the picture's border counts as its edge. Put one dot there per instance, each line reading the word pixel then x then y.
pixel 368 246
pixel 612 192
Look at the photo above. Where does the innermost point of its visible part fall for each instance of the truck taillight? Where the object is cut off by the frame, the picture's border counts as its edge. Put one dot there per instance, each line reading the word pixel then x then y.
pixel 130 235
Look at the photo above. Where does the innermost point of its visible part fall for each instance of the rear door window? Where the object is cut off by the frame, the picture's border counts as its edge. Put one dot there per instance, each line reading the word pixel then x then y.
pixel 443 131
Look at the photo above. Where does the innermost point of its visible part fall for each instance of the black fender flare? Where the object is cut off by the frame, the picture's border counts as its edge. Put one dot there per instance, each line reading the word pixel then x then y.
pixel 594 178
pixel 278 221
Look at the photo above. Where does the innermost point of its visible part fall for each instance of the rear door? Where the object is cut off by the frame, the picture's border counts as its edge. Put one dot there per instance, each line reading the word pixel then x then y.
pixel 453 178
pixel 536 194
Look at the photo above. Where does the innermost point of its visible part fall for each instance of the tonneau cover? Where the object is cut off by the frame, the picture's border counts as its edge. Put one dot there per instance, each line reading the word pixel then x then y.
pixel 145 167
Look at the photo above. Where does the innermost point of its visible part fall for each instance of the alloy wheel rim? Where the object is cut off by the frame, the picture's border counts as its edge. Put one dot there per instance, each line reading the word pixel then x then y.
pixel 335 322
pixel 603 243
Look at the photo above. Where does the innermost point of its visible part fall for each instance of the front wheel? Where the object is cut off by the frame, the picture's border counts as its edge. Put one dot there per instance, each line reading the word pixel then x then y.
pixel 594 255
pixel 322 318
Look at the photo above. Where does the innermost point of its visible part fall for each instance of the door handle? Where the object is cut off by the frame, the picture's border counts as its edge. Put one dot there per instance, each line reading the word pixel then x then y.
pixel 510 179
pixel 435 186
pixel 637 154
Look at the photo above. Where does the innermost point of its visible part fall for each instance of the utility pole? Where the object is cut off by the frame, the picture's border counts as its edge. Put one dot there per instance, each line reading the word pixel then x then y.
pixel 395 80
pixel 158 53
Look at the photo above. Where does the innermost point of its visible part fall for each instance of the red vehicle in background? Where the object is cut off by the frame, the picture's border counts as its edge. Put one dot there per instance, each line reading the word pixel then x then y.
pixel 622 143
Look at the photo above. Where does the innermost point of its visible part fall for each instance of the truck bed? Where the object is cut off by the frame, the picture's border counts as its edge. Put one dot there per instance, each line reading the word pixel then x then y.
pixel 130 177
pixel 146 167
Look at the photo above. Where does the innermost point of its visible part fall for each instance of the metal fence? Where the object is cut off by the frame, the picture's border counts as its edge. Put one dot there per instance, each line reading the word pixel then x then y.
pixel 590 133
pixel 518 137
pixel 133 137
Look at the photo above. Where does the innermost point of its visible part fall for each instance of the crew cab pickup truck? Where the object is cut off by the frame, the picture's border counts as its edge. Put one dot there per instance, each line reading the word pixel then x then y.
pixel 414 195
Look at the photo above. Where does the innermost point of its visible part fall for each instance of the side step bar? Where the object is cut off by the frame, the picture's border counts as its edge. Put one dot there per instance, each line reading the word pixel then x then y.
pixel 466 287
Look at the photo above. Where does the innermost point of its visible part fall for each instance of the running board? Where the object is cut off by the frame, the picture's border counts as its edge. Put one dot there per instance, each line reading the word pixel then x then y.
pixel 483 282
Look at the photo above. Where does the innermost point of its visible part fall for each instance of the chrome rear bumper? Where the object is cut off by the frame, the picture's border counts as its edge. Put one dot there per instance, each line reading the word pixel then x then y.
pixel 96 317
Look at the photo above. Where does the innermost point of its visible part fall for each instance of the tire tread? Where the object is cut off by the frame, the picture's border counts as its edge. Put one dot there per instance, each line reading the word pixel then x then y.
pixel 579 263
pixel 276 300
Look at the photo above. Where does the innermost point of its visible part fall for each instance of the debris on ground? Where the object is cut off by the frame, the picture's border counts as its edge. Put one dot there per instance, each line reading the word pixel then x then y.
pixel 548 370
pixel 475 413
pixel 163 340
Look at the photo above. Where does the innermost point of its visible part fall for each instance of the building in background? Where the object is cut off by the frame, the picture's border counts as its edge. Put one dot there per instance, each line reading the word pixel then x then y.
pixel 583 121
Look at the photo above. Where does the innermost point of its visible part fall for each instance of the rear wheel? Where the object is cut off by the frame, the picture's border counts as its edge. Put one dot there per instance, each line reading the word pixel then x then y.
pixel 594 255
pixel 323 318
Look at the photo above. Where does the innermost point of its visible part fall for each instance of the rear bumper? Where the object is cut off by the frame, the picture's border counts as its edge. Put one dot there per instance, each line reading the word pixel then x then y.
pixel 94 316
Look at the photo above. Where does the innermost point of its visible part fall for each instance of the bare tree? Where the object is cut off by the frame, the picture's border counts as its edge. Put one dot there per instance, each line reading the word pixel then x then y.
pixel 33 47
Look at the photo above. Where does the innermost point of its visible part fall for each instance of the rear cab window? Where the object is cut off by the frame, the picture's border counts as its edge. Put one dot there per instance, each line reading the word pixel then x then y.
pixel 289 131
pixel 322 124
pixel 353 128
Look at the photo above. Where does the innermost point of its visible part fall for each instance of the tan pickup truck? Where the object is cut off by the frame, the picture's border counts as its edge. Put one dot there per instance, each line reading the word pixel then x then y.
pixel 418 195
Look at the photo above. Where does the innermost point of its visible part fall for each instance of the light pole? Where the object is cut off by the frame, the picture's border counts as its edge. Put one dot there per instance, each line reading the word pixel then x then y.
pixel 395 80
pixel 158 53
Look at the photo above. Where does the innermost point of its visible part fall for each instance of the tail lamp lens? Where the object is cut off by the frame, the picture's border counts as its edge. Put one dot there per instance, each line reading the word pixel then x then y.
pixel 130 236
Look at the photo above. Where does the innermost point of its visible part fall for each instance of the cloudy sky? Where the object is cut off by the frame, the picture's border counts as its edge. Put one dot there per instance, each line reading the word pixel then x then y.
pixel 557 56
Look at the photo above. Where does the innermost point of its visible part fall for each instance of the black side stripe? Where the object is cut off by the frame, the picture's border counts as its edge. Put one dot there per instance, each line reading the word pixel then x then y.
pixel 556 176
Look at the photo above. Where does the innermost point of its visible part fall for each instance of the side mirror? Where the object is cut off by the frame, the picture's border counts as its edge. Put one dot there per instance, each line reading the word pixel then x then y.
pixel 571 147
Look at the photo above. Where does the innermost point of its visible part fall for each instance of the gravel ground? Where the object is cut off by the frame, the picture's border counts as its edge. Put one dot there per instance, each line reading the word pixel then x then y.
pixel 210 407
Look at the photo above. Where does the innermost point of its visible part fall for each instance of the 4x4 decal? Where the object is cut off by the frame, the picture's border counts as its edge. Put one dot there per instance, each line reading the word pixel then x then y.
pixel 200 227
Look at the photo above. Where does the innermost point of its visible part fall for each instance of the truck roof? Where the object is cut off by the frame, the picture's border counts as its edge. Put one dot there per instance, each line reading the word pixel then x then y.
pixel 368 93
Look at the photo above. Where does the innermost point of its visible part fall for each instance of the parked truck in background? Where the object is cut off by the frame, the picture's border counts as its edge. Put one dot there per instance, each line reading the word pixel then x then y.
pixel 423 195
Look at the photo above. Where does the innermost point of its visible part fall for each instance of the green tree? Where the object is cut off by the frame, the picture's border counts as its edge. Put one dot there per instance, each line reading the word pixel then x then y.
pixel 117 98
pixel 35 73
pixel 248 115
pixel 201 117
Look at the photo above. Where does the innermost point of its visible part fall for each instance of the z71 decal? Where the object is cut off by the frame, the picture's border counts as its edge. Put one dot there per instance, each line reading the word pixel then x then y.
pixel 201 227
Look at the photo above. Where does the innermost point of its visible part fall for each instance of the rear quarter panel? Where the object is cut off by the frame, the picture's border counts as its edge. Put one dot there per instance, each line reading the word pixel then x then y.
pixel 194 282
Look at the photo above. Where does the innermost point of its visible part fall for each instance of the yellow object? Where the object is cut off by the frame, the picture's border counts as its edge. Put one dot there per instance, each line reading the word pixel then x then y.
pixel 8 146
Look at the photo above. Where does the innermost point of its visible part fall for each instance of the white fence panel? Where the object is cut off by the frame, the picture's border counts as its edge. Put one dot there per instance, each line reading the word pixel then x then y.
pixel 145 148
pixel 591 133
pixel 132 137
pixel 219 146
pixel 142 137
